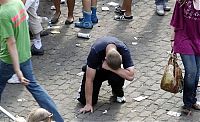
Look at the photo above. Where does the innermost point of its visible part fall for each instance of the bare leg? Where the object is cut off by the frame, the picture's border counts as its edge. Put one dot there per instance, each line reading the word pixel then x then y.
pixel 58 12
pixel 87 5
pixel 94 3
pixel 70 5
pixel 57 6
pixel 127 6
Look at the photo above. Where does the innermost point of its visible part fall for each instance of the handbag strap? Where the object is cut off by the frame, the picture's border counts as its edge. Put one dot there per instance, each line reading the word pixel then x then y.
pixel 174 60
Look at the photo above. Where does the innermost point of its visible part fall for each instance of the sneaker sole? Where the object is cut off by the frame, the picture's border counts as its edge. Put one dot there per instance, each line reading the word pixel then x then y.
pixel 123 19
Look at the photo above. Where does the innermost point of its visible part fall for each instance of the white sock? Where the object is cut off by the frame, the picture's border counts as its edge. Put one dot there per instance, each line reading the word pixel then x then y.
pixel 37 41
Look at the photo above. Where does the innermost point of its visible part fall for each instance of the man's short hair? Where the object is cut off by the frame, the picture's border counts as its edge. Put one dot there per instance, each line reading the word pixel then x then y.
pixel 39 115
pixel 113 59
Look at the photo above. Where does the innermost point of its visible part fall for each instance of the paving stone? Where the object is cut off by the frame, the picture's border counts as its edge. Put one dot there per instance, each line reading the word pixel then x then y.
pixel 140 108
pixel 146 102
pixel 159 112
pixel 150 119
pixel 152 107
pixel 167 95
pixel 163 117
pixel 148 93
pixel 145 113
pixel 160 101
pixel 155 87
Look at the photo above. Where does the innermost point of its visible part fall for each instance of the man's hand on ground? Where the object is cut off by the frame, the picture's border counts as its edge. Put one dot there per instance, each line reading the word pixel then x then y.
pixel 87 108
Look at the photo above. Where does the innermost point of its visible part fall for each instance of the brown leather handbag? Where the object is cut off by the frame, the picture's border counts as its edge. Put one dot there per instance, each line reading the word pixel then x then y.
pixel 172 80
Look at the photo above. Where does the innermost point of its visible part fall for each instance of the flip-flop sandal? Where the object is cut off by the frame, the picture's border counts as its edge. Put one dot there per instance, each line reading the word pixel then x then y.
pixel 67 22
pixel 186 111
pixel 54 20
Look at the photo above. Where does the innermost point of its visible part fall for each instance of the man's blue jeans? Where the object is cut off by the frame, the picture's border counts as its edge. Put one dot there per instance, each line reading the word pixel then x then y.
pixel 160 2
pixel 40 95
pixel 192 65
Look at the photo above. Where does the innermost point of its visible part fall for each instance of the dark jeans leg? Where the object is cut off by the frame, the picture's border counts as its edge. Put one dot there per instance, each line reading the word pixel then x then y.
pixel 6 72
pixel 191 64
pixel 116 83
pixel 39 93
pixel 99 78
pixel 160 2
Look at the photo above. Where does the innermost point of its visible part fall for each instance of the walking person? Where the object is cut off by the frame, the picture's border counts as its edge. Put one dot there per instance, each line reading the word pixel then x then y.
pixel 15 54
pixel 104 63
pixel 186 42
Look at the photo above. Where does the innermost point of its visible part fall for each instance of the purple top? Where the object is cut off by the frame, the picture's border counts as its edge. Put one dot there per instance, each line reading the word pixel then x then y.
pixel 186 21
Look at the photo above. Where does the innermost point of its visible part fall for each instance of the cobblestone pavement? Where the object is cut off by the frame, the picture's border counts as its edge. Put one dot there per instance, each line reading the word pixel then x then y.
pixel 57 70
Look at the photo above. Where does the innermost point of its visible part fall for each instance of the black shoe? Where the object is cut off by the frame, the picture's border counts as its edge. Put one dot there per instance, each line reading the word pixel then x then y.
pixel 35 51
pixel 84 68
pixel 118 10
pixel 123 18
pixel 55 18
pixel 67 22
pixel 44 33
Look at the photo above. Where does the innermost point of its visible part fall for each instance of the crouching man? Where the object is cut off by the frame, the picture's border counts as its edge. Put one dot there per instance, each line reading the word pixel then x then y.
pixel 104 63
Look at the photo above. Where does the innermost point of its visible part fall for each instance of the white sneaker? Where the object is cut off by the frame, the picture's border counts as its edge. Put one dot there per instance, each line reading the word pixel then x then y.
pixel 166 7
pixel 53 8
pixel 62 1
pixel 160 10
pixel 121 99
pixel 14 79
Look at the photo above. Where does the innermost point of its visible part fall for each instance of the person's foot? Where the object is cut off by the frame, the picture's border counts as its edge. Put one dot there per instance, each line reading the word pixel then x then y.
pixel 166 7
pixel 69 21
pixel 35 51
pixel 160 10
pixel 83 24
pixel 196 106
pixel 185 110
pixel 123 18
pixel 94 19
pixel 118 99
pixel 121 99
pixel 119 11
pixel 44 33
pixel 62 1
pixel 55 18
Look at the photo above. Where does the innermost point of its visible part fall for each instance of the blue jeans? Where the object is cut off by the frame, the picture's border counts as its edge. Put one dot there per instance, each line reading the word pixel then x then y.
pixel 40 95
pixel 192 65
pixel 160 2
